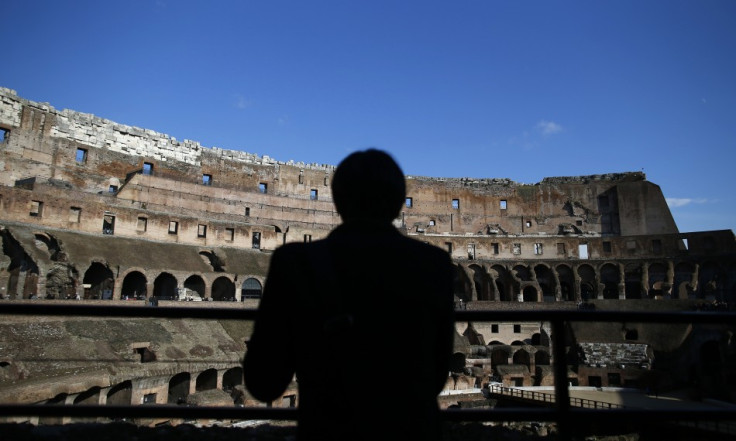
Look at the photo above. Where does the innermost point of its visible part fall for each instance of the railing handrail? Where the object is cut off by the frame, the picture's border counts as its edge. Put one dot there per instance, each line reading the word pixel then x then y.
pixel 563 413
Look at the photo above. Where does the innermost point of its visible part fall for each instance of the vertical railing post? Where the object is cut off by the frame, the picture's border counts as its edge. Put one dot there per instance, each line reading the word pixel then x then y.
pixel 562 394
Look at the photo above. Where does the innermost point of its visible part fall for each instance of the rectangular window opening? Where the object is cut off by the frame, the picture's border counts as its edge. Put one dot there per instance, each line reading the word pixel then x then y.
pixel 108 224
pixel 263 187
pixel 36 208
pixel 307 238
pixel 431 222
pixel 561 248
pixel 516 248
pixel 502 204
pixel 495 248
pixel 142 224
pixel 583 251
pixel 147 168
pixel 448 246
pixel 409 202
pixel 173 227
pixel 201 230
pixel 656 246
pixel 494 328
pixel 4 134
pixel 456 204
pixel 256 240
pixel 471 251
pixel 112 189
pixel 75 214
pixel 517 329
pixel 229 234
pixel 606 247
pixel 206 179
pixel 313 194
pixel 81 156
pixel 538 249
pixel 247 211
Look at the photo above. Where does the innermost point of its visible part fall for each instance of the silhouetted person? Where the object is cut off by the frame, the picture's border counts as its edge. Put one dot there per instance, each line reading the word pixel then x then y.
pixel 363 318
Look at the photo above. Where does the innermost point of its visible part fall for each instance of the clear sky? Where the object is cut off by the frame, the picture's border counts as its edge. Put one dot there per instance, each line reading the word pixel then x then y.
pixel 484 89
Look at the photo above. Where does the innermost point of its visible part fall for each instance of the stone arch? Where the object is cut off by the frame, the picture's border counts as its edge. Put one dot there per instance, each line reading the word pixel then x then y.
pixel 482 283
pixel 98 282
pixel 61 282
pixel 53 419
pixel 135 286
pixel 710 281
pixel 504 284
pixel 179 388
pixel 165 287
pixel 251 289
pixel 522 272
pixel 462 284
pixel 522 357
pixel 195 283
pixel 657 279
pixel 90 396
pixel 121 394
pixel 588 285
pixel 610 278
pixel 682 286
pixel 542 357
pixel 206 380
pixel 633 281
pixel 546 280
pixel 223 289
pixel 567 283
pixel 231 378
pixel 530 294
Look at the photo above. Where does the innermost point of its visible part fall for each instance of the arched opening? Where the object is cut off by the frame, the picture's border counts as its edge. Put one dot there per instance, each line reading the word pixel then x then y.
pixel 482 283
pixel 120 394
pixel 657 280
pixel 522 357
pixel 522 273
pixel 59 399
pixel 542 358
pixel 98 282
pixel 207 380
pixel 610 277
pixel 461 284
pixel 567 283
pixel 62 282
pixel 164 287
pixel 530 294
pixel 504 284
pixel 195 288
pixel 223 289
pixel 499 356
pixel 90 396
pixel 710 282
pixel 179 388
pixel 251 289
pixel 232 378
pixel 546 282
pixel 682 287
pixel 134 286
pixel 632 281
pixel 587 282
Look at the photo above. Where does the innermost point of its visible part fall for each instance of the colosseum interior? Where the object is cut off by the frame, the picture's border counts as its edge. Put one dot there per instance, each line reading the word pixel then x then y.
pixel 98 212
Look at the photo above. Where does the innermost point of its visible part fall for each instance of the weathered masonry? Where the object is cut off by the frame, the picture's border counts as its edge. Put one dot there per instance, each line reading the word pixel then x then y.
pixel 99 211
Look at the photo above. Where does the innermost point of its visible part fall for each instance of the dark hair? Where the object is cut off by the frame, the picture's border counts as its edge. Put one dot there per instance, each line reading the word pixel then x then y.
pixel 368 184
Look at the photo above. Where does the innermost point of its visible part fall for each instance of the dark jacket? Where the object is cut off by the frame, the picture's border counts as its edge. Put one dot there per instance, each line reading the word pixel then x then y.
pixel 365 320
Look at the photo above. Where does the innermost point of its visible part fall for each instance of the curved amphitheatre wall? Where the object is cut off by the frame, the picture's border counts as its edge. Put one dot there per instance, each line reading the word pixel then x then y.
pixel 88 205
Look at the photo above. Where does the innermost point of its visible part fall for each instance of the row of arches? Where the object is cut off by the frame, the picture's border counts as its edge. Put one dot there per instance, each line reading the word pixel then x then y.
pixel 608 280
pixel 174 391
pixel 99 282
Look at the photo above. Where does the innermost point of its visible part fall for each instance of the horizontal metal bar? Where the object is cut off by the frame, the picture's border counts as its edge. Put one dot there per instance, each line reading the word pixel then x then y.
pixel 63 309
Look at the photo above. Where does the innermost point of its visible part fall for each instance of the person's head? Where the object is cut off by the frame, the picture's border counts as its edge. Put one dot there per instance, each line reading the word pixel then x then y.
pixel 368 185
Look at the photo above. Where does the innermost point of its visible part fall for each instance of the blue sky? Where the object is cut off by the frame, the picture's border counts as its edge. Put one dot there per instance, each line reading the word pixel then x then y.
pixel 506 89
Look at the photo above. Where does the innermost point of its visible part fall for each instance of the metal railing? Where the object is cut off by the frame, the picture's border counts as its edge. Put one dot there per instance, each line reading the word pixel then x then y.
pixel 564 413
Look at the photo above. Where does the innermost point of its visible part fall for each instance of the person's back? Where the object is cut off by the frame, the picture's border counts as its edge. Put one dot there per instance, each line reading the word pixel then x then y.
pixel 365 320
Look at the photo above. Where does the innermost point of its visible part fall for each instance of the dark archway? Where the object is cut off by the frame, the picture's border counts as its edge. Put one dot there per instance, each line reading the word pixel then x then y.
pixel 251 289
pixel 567 283
pixel 164 287
pixel 223 289
pixel 179 388
pixel 588 288
pixel 522 357
pixel 207 380
pixel 610 277
pixel 657 280
pixel 461 284
pixel 135 286
pixel 196 285
pixel 682 287
pixel 546 281
pixel 98 282
pixel 530 294
pixel 632 281
pixel 482 283
pixel 504 284
pixel 120 394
